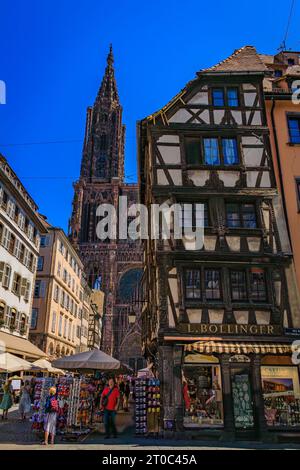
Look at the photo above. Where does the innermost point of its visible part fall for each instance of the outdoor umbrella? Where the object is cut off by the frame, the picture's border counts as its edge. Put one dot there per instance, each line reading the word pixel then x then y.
pixel 47 366
pixel 10 363
pixel 95 360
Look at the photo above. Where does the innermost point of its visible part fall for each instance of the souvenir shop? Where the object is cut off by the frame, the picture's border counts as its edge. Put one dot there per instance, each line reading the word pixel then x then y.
pixel 238 390
pixel 76 401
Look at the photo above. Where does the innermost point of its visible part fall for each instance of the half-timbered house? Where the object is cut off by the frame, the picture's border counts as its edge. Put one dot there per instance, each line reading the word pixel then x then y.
pixel 216 319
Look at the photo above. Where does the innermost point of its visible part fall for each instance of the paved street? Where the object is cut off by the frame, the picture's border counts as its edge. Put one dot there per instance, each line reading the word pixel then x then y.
pixel 17 435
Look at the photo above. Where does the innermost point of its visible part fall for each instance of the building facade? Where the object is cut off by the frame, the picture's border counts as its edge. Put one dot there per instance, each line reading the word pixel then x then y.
pixel 216 318
pixel 283 116
pixel 91 315
pixel 113 264
pixel 57 303
pixel 20 229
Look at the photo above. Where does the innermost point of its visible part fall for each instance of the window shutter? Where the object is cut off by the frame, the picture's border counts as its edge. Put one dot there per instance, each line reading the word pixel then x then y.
pixel 7 316
pixel 33 264
pixel 23 286
pixel 6 277
pixel 1 270
pixel 27 291
pixel 17 249
pixel 6 238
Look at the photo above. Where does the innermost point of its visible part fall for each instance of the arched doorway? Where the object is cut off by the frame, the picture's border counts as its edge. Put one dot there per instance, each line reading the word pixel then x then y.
pixel 128 282
pixel 131 351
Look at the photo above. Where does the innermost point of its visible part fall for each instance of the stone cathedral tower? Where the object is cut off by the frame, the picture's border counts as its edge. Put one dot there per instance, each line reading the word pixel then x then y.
pixel 112 265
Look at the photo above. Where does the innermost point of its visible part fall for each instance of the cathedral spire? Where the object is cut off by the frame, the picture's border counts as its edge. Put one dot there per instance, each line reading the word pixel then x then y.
pixel 108 89
pixel 103 149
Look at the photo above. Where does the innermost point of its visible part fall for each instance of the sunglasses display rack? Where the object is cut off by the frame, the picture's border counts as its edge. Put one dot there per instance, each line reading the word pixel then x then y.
pixel 153 406
pixel 140 406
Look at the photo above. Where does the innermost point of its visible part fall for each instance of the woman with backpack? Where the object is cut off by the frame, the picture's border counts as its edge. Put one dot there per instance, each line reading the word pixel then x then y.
pixel 51 410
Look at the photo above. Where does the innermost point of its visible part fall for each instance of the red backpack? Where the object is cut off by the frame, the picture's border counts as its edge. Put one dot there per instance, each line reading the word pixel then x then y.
pixel 54 404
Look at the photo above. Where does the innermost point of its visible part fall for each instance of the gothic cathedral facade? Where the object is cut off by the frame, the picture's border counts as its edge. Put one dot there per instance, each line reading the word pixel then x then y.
pixel 113 265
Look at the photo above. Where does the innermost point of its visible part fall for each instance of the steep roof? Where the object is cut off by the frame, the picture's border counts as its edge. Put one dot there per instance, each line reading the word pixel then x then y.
pixel 245 59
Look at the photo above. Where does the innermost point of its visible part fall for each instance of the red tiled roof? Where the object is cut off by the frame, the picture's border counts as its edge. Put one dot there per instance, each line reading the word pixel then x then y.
pixel 245 59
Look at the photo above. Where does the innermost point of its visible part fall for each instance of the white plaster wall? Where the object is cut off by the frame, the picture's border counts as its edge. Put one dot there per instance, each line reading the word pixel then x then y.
pixel 167 138
pixel 200 98
pixel 182 115
pixel 170 154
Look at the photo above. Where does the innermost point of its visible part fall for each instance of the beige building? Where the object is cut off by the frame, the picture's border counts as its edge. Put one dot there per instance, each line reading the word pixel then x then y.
pixel 20 229
pixel 91 314
pixel 96 318
pixel 57 305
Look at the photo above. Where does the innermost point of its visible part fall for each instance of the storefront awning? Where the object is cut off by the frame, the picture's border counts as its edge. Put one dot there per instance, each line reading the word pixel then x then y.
pixel 20 346
pixel 208 347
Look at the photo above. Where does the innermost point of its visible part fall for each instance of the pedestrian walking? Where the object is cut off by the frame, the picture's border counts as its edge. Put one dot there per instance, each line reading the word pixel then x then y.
pixel 25 401
pixel 109 402
pixel 51 410
pixel 7 399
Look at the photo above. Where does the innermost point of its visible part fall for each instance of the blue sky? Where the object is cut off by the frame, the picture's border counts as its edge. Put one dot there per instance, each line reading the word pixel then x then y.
pixel 53 56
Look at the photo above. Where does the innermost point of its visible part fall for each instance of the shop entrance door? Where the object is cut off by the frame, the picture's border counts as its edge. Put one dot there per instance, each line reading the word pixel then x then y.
pixel 242 401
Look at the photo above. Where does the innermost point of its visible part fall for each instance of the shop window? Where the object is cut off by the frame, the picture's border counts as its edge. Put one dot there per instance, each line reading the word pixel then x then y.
pixel 241 215
pixel 242 398
pixel 258 285
pixel 202 396
pixel 212 279
pixel 294 129
pixel 192 284
pixel 238 285
pixel 281 393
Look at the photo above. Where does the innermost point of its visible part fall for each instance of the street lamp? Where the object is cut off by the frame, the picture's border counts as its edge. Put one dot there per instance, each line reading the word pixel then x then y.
pixel 132 317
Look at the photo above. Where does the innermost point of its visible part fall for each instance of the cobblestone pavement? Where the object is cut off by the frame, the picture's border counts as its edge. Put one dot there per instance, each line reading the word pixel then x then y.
pixel 17 435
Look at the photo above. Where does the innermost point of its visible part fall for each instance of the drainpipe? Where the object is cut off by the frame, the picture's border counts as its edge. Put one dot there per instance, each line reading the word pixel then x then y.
pixel 280 169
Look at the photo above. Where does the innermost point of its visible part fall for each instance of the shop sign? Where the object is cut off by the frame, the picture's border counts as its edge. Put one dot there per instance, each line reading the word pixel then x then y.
pixel 230 329
pixel 292 331
pixel 239 358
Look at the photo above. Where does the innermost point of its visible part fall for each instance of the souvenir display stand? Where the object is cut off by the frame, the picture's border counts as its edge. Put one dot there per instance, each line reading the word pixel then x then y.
pixel 74 405
pixel 147 406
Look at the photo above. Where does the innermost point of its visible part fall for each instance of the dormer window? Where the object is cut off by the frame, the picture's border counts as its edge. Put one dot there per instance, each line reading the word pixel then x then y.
pixel 225 97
